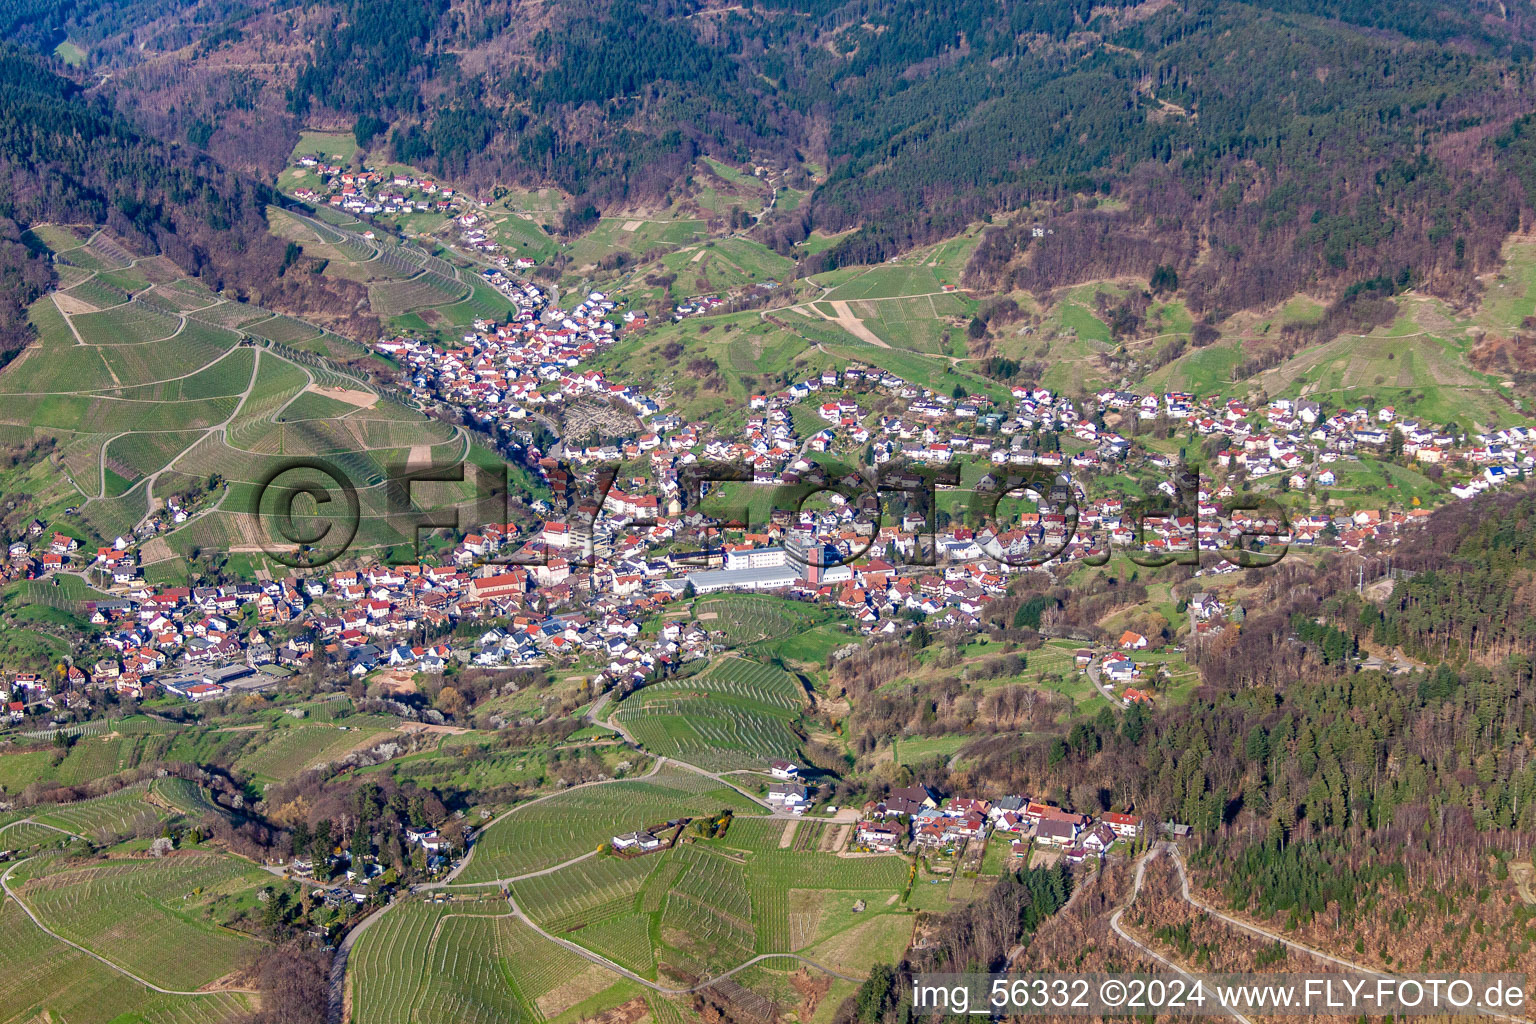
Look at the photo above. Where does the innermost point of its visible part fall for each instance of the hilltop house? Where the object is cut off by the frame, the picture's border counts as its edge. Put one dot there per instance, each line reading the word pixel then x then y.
pixel 641 841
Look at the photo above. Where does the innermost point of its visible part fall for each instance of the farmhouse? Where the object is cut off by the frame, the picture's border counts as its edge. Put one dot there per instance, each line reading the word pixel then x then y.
pixel 783 770
pixel 644 842
pixel 1125 825
pixel 426 838
pixel 1056 832
pixel 789 796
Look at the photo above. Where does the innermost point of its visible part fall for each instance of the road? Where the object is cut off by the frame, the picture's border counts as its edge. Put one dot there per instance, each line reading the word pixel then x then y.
pixel 336 1001
pixel 42 824
pixel 5 883
pixel 1143 948
pixel 1098 684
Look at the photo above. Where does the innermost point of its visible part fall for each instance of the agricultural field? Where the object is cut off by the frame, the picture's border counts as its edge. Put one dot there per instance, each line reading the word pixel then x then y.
pixel 286 751
pixel 46 980
pixel 182 796
pixel 23 837
pixel 631 235
pixel 768 885
pixel 485 968
pixel 140 392
pixel 1417 364
pixel 932 324
pixel 749 351
pixel 748 619
pixel 584 893
pixel 151 916
pixel 552 831
pixel 118 814
pixel 735 714
pixel 708 268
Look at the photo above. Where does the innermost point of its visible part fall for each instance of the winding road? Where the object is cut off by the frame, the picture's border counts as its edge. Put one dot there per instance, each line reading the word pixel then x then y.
pixel 1094 673
pixel 1142 947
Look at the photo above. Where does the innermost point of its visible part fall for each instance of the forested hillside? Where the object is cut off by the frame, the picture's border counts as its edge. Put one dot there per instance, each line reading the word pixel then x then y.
pixel 1256 148
pixel 70 157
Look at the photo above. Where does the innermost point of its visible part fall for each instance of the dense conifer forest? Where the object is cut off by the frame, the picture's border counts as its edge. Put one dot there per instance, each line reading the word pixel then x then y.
pixel 1254 148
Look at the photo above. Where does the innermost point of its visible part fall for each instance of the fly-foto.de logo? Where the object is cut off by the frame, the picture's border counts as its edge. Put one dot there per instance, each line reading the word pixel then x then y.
pixel 308 512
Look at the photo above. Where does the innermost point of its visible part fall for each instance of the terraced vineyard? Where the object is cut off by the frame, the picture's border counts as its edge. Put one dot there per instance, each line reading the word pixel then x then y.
pixel 119 813
pixel 145 914
pixel 485 968
pixel 748 618
pixel 584 893
pixel 579 821
pixel 46 980
pixel 735 714
pixel 137 391
pixel 22 836
pixel 183 796
pixel 290 750
pixel 469 983
pixel 388 967
pixel 133 324
pixel 708 917
pixel 425 289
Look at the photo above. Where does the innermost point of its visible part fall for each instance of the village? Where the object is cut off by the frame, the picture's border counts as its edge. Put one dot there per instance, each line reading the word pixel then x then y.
pixel 627 557
pixel 605 558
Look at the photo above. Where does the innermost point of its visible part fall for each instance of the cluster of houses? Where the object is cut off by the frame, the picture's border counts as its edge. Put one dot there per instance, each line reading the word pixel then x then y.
pixel 499 375
pixel 473 234
pixel 503 373
pixel 36 556
pixel 372 192
pixel 699 305
pixel 594 571
pixel 914 817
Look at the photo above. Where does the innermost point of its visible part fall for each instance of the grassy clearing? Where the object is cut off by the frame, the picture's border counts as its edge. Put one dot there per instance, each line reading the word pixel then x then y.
pixel 336 147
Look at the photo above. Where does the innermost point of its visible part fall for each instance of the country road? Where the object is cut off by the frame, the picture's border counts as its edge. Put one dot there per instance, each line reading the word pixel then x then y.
pixel 1094 673
pixel 1143 948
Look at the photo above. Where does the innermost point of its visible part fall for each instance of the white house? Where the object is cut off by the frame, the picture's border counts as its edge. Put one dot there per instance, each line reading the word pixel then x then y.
pixel 642 841
pixel 783 770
